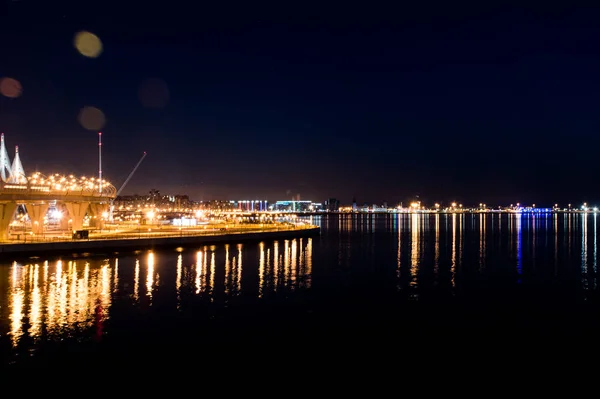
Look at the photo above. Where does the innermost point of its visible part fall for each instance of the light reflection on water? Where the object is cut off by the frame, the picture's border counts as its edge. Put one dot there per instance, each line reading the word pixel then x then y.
pixel 448 246
pixel 415 256
pixel 50 301
pixel 59 300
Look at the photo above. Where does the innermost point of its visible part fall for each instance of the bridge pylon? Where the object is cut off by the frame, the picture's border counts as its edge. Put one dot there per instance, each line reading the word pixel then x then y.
pixel 77 211
pixel 37 212
pixel 17 173
pixel 5 167
pixel 96 211
pixel 7 214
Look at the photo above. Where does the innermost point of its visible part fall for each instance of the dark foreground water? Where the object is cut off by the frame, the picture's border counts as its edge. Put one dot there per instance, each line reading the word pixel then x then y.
pixel 369 285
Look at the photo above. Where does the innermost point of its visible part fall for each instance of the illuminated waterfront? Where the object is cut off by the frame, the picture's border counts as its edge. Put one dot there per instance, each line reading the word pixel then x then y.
pixel 367 279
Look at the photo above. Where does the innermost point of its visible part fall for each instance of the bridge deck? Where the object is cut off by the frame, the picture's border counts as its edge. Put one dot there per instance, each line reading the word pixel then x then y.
pixel 18 192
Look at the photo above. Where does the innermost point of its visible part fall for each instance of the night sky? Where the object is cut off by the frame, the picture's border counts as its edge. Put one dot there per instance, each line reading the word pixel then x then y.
pixel 473 105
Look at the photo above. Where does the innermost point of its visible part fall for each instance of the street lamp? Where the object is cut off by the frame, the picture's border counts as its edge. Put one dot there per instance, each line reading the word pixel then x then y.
pixel 150 216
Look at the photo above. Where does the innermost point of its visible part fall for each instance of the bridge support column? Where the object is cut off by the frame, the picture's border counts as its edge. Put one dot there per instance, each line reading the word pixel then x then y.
pixel 77 211
pixel 7 214
pixel 36 213
pixel 97 210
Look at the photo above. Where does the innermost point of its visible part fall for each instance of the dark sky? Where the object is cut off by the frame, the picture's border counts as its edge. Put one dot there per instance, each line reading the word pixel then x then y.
pixel 477 105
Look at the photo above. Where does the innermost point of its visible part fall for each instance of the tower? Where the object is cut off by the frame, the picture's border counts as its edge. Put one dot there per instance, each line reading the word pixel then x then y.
pixel 5 168
pixel 100 162
pixel 17 174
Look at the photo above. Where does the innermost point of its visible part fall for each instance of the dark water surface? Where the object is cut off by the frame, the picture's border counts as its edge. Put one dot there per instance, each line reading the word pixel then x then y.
pixel 368 284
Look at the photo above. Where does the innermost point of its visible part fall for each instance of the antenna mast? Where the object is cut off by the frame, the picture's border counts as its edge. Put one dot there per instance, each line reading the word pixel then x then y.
pixel 100 162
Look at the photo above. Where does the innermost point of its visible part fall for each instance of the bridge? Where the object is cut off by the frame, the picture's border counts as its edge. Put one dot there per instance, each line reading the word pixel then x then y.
pixel 78 196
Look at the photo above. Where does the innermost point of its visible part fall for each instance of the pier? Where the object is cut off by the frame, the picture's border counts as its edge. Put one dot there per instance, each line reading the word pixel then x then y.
pixel 111 243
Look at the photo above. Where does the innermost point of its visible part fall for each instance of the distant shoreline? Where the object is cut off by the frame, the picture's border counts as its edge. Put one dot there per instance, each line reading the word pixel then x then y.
pixel 111 246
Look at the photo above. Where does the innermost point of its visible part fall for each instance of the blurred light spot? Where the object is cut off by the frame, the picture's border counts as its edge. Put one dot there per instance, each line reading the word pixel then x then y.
pixel 154 93
pixel 10 87
pixel 91 118
pixel 88 44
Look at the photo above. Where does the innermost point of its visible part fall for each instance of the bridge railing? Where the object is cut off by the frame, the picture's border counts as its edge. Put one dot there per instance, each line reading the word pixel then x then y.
pixel 108 190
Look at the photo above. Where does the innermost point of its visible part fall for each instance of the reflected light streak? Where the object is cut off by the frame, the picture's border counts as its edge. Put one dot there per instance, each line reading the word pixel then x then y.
pixel 105 290
pixel 293 263
pixel 436 264
pixel 104 299
pixel 555 244
pixel 238 270
pixel 595 259
pixel 286 262
pixel 136 280
pixel 534 222
pixel 261 269
pixel 275 265
pixel 35 314
pixel 584 263
pixel 453 253
pixel 570 232
pixel 399 253
pixel 179 277
pixel 414 264
pixel 150 275
pixel 519 243
pixel 116 281
pixel 287 270
pixel 198 279
pixel 72 301
pixel 301 257
pixel 308 252
pixel 53 296
pixel 16 305
pixel 63 281
pixel 460 238
pixel 45 277
pixel 212 271
pixel 481 240
pixel 15 274
pixel 227 269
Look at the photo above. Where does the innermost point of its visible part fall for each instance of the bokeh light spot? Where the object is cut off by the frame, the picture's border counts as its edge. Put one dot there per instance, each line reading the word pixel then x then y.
pixel 154 93
pixel 10 87
pixel 91 118
pixel 88 44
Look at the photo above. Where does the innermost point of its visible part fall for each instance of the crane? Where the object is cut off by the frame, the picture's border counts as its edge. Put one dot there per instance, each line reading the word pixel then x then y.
pixel 124 184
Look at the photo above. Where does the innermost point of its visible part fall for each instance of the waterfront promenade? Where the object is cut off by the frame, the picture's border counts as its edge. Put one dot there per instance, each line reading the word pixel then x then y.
pixel 139 237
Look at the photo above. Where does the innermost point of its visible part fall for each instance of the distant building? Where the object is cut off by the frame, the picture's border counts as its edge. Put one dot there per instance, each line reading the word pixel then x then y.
pixel 155 199
pixel 332 205
pixel 250 205
pixel 295 206
pixel 215 206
